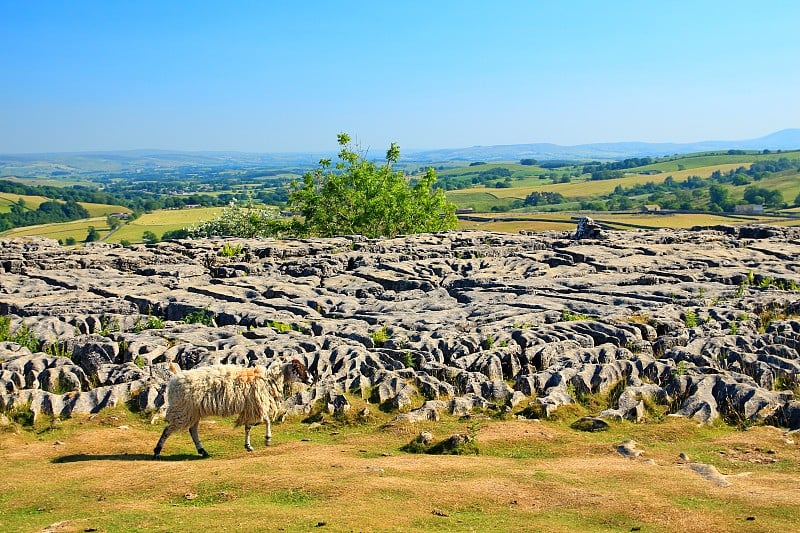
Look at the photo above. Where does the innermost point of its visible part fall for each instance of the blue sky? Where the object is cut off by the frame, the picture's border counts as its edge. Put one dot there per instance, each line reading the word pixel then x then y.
pixel 287 76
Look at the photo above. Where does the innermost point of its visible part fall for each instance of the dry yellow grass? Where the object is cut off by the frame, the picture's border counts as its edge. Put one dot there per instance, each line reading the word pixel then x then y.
pixel 95 474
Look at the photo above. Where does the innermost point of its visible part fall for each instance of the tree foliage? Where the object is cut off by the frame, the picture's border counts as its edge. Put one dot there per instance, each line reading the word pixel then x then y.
pixel 356 196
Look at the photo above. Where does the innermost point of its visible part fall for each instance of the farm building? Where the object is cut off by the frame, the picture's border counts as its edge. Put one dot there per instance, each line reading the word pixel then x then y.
pixel 749 209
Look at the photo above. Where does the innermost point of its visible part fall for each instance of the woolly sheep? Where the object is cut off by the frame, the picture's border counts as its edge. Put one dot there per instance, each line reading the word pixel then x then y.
pixel 253 393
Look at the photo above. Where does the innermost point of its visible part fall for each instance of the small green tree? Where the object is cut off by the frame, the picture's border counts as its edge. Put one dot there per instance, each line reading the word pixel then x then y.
pixel 92 235
pixel 358 197
pixel 148 237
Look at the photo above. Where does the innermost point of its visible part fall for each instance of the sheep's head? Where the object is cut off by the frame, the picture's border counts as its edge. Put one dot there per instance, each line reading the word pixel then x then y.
pixel 296 371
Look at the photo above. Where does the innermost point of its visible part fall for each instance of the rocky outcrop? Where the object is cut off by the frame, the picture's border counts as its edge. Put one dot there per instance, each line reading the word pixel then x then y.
pixel 703 322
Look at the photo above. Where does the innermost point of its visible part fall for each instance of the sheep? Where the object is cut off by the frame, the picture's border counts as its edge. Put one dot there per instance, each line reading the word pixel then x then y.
pixel 253 393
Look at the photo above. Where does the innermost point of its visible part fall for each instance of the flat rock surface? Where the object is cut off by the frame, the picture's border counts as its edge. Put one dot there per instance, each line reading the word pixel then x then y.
pixel 703 322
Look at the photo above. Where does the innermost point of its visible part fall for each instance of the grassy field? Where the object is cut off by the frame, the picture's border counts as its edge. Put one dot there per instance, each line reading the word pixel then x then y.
pixel 514 223
pixel 95 474
pixel 77 230
pixel 516 170
pixel 160 221
pixel 586 190
pixel 691 161
pixel 31 202
pixel 102 210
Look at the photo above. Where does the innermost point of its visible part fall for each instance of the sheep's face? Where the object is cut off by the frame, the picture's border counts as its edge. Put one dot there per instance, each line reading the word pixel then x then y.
pixel 296 371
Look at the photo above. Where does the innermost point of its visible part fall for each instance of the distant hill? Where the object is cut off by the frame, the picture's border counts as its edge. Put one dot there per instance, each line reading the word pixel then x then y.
pixel 788 139
pixel 54 164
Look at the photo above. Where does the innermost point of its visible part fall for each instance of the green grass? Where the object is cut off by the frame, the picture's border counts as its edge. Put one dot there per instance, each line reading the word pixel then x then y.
pixel 31 202
pixel 101 210
pixel 691 161
pixel 76 229
pixel 528 476
pixel 162 221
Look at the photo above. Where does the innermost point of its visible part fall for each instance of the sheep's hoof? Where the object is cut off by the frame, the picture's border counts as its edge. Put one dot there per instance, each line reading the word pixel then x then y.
pixel 267 442
pixel 248 447
pixel 203 453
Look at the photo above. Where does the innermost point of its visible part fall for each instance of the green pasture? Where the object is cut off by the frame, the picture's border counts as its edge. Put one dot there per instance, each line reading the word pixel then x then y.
pixel 483 198
pixel 480 202
pixel 516 169
pixel 161 221
pixel 693 161
pixel 101 210
pixel 76 229
pixel 31 202
pixel 788 185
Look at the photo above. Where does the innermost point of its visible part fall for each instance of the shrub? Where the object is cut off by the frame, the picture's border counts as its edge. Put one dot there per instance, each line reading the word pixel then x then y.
pixel 201 316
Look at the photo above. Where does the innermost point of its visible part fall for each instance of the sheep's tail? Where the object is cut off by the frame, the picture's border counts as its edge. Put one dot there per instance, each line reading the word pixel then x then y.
pixel 161 412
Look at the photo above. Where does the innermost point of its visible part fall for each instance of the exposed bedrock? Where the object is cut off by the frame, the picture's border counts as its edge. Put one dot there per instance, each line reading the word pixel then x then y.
pixel 700 323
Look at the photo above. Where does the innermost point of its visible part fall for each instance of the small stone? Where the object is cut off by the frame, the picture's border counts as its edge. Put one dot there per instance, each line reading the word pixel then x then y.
pixel 439 512
pixel 189 496
pixel 683 458
pixel 628 449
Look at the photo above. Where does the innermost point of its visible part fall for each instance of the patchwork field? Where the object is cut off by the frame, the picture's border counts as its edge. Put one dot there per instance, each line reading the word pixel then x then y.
pixel 586 189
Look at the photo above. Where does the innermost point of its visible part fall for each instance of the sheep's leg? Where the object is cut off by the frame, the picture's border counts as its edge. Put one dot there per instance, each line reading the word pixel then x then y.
pixel 196 438
pixel 268 436
pixel 247 445
pixel 164 436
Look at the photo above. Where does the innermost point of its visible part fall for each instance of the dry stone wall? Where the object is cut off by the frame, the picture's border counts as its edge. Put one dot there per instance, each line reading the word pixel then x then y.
pixel 702 321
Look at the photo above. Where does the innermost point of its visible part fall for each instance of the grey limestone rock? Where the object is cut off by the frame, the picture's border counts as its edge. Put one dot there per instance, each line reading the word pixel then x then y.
pixel 702 320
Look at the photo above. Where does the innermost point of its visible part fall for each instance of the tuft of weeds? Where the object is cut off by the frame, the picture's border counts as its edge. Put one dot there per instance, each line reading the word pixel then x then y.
pixel 380 336
pixel 690 318
pixel 280 327
pixel 569 316
pixel 58 349
pixel 201 316
pixel 23 335
pixel 152 322
pixel 109 325
pixel 229 250
pixel 22 415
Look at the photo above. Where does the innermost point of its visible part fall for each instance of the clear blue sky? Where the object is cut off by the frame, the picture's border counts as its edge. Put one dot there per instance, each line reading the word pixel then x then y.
pixel 281 76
